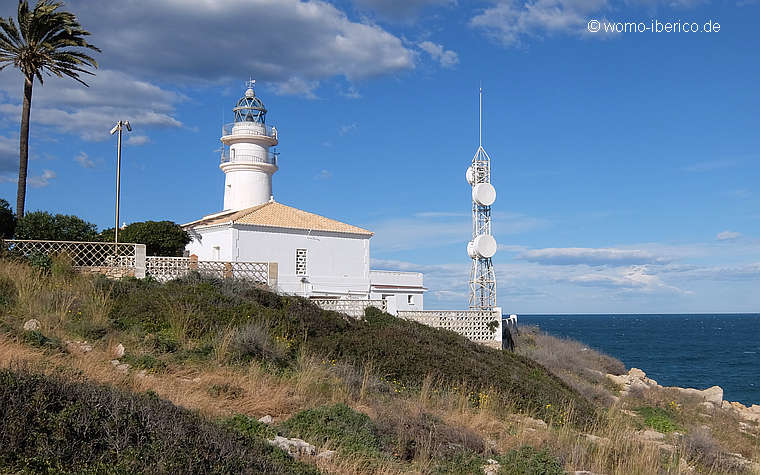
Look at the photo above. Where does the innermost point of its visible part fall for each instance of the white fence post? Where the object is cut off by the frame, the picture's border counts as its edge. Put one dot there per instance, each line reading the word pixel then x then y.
pixel 140 261
pixel 273 274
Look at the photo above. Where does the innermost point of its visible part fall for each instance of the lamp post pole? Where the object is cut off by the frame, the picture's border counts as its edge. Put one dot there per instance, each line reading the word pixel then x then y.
pixel 118 127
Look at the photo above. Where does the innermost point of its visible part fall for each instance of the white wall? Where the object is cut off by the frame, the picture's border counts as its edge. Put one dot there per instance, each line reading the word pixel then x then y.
pixel 337 264
pixel 401 290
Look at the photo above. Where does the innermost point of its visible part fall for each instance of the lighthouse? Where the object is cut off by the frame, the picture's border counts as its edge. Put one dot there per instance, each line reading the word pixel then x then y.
pixel 247 162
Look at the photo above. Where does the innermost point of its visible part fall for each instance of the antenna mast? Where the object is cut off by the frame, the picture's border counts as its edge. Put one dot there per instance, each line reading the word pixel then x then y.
pixel 482 247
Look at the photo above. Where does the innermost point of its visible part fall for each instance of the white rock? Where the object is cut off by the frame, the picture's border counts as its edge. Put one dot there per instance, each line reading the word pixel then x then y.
pixel 294 447
pixel 119 351
pixel 32 325
pixel 123 368
pixel 266 419
pixel 326 454
pixel 115 362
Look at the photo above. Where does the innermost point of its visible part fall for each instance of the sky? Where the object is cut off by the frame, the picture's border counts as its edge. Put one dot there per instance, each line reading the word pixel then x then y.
pixel 625 160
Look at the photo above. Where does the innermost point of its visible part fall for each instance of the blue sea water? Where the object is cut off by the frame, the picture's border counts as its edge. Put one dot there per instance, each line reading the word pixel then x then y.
pixel 695 350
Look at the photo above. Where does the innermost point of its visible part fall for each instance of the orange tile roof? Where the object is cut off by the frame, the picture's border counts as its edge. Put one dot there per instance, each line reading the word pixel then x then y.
pixel 279 216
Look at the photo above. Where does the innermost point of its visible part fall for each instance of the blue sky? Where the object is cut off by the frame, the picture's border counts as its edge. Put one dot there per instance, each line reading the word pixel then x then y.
pixel 625 163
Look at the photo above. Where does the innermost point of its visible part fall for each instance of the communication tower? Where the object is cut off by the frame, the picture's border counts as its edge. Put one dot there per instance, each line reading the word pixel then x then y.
pixel 482 247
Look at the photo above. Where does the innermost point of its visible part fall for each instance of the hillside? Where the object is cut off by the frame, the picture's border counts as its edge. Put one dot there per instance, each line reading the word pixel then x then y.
pixel 195 363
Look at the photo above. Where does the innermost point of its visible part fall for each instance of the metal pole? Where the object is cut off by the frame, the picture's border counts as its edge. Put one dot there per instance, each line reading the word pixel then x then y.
pixel 118 188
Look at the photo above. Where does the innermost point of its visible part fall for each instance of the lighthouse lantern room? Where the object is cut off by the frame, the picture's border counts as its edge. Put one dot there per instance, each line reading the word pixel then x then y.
pixel 247 162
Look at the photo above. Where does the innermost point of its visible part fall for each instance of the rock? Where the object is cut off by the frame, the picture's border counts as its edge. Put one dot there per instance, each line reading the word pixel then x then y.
pixel 123 368
pixel 649 434
pixel 326 455
pixel 491 467
pixel 115 362
pixel 77 346
pixel 32 325
pixel 294 447
pixel 118 351
pixel 142 374
pixel 266 419
pixel 713 394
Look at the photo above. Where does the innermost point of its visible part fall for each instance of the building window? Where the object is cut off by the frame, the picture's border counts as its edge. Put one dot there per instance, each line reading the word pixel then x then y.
pixel 410 299
pixel 216 253
pixel 301 262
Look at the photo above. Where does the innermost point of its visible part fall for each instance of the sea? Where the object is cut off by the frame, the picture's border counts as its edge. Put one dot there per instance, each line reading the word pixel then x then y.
pixel 686 350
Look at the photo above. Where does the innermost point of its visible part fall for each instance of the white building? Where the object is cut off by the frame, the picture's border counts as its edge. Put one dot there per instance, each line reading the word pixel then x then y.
pixel 317 257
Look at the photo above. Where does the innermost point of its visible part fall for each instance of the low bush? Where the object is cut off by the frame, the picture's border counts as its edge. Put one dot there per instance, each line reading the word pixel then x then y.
pixel 346 429
pixel 657 418
pixel 8 292
pixel 529 461
pixel 53 425
pixel 415 434
pixel 253 341
pixel 249 427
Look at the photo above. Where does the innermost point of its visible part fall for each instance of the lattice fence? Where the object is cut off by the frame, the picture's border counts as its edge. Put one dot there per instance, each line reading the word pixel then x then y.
pixel 352 308
pixel 478 326
pixel 104 257
pixel 168 268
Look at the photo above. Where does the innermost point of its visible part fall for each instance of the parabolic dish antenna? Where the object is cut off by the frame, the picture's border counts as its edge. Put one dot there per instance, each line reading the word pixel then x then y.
pixel 470 175
pixel 484 194
pixel 483 246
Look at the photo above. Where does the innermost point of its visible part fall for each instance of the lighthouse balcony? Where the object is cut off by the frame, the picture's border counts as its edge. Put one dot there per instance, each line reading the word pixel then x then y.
pixel 238 157
pixel 249 129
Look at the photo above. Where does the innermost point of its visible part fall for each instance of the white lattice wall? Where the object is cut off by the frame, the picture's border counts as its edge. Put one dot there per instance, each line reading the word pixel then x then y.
pixel 115 260
pixel 472 324
pixel 352 308
pixel 167 268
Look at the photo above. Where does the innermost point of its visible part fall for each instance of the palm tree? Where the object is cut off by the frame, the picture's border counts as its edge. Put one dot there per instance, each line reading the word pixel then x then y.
pixel 46 40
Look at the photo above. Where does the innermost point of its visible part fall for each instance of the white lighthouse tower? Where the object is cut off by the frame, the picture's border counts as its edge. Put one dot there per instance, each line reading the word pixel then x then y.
pixel 247 163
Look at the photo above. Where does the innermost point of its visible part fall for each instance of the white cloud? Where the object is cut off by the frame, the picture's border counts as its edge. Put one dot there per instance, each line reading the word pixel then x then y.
pixel 290 42
pixel 447 58
pixel 347 128
pixel 401 10
pixel 66 106
pixel 83 160
pixel 323 175
pixel 431 229
pixel 138 140
pixel 728 235
pixel 591 257
pixel 43 180
pixel 508 21
pixel 638 278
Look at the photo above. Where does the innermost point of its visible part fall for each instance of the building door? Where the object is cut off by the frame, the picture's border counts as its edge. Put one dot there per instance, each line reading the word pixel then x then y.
pixel 390 303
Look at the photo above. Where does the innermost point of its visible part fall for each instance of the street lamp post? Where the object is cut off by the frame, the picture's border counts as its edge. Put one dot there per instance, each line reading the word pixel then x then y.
pixel 119 125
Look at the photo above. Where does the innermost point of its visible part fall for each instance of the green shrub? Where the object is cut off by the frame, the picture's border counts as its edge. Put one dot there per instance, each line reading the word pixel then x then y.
pixel 252 341
pixel 529 461
pixel 147 362
pixel 348 430
pixel 37 339
pixel 657 418
pixel 7 220
pixel 52 425
pixel 59 227
pixel 161 238
pixel 249 427
pixel 460 462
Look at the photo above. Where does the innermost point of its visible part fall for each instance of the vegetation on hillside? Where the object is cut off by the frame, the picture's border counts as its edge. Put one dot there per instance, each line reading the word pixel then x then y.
pixel 388 396
pixel 56 425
